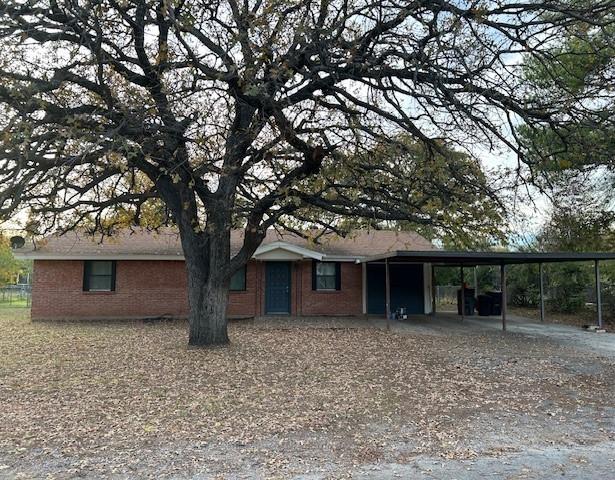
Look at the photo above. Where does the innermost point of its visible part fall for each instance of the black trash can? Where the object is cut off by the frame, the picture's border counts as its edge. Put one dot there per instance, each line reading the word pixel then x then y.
pixel 496 298
pixel 485 305
pixel 469 301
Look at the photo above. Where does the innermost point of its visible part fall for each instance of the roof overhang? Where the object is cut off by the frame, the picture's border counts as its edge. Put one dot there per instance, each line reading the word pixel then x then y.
pixel 35 255
pixel 457 258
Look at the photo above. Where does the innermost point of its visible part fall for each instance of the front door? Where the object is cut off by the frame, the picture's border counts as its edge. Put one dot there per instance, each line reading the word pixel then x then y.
pixel 277 288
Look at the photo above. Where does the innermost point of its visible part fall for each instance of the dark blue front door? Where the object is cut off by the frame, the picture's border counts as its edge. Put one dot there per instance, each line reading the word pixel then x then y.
pixel 277 288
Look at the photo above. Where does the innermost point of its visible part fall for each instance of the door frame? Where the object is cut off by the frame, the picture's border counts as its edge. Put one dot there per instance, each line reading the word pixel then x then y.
pixel 290 284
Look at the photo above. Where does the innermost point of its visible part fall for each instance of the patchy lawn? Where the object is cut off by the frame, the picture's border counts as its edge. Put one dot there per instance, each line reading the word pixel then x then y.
pixel 131 400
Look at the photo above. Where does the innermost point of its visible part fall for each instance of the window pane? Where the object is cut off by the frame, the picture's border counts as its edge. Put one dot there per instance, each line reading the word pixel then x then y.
pixel 101 268
pixel 325 269
pixel 238 280
pixel 325 283
pixel 100 283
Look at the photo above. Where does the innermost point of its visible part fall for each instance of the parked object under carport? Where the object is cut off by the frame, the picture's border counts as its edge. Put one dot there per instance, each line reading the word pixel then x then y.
pixel 490 303
pixel 469 301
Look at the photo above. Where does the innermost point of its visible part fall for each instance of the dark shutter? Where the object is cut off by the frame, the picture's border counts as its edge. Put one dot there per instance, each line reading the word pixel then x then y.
pixel 313 274
pixel 86 276
pixel 338 276
pixel 113 268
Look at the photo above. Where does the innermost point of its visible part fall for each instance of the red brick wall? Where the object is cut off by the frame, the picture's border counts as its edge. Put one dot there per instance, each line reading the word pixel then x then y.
pixel 142 289
pixel 155 288
pixel 244 304
pixel 347 301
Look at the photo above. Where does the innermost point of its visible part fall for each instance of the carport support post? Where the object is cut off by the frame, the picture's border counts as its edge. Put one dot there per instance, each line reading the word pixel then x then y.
pixel 463 296
pixel 503 284
pixel 433 289
pixel 542 292
pixel 387 289
pixel 598 295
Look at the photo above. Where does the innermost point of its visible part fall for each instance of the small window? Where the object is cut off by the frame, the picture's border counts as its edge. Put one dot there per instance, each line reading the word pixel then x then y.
pixel 238 280
pixel 326 276
pixel 99 276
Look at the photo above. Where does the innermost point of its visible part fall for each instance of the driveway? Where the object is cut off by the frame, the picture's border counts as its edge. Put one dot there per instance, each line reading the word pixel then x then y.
pixel 450 323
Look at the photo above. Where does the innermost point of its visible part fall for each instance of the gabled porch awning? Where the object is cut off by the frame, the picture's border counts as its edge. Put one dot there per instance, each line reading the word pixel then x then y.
pixel 285 251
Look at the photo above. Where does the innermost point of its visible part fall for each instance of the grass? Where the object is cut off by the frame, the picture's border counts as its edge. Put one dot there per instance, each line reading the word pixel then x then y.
pixel 17 303
pixel 78 390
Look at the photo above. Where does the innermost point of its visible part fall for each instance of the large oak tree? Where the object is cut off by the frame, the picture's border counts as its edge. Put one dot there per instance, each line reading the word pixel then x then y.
pixel 253 112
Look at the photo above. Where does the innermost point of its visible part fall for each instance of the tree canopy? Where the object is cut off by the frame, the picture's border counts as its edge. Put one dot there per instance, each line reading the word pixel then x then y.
pixel 579 71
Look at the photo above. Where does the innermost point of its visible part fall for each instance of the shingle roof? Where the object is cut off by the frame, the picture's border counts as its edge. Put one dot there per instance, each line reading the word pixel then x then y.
pixel 166 243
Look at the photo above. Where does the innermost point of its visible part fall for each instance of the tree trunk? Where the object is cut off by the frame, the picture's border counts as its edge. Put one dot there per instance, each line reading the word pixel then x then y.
pixel 208 302
pixel 207 265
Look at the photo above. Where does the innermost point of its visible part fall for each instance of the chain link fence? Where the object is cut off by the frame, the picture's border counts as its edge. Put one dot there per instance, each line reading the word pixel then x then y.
pixel 16 296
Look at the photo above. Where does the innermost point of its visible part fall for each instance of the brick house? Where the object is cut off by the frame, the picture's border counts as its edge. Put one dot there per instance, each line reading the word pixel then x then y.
pixel 142 274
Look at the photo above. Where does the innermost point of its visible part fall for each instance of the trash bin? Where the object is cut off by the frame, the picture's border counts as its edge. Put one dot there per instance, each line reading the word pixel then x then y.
pixel 485 305
pixel 469 301
pixel 496 302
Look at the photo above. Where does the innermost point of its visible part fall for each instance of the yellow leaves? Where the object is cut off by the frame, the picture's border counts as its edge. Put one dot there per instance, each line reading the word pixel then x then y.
pixel 163 54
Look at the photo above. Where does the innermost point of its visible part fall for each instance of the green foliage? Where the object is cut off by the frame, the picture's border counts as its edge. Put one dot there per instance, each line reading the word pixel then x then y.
pixel 576 224
pixel 523 285
pixel 567 285
pixel 577 227
pixel 580 66
pixel 580 229
pixel 445 193
pixel 9 266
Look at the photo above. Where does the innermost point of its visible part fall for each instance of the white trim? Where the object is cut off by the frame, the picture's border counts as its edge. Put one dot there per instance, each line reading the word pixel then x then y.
pixel 332 258
pixel 288 247
pixel 364 287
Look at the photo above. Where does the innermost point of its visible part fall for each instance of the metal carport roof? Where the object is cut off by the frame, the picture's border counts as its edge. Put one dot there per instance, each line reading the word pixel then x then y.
pixel 463 258
pixel 502 259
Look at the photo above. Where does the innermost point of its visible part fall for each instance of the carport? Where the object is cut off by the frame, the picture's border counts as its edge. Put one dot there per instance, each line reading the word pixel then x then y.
pixel 464 260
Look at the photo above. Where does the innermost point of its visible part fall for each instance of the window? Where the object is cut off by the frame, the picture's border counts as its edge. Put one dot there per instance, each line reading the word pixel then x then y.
pixel 99 276
pixel 238 280
pixel 326 276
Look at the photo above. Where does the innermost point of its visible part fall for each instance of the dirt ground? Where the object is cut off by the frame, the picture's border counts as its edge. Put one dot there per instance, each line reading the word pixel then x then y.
pixel 130 400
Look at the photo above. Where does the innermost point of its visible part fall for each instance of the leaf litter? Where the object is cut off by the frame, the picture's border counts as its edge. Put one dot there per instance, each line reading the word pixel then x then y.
pixel 105 394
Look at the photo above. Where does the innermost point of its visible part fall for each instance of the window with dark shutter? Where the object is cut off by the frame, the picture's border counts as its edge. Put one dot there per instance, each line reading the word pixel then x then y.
pixel 99 276
pixel 238 280
pixel 326 276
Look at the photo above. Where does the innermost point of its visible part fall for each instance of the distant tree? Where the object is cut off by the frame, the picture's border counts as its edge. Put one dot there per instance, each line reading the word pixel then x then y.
pixel 447 184
pixel 578 66
pixel 577 223
pixel 252 113
pixel 9 266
